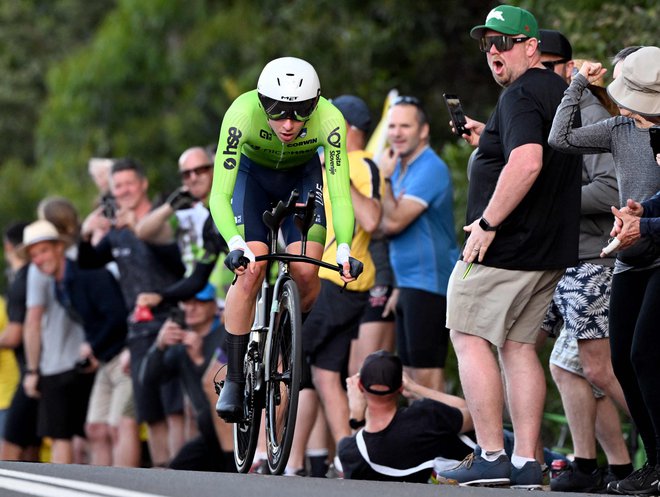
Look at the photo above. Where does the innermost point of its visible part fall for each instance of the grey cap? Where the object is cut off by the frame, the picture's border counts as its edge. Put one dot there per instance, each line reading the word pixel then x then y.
pixel 355 111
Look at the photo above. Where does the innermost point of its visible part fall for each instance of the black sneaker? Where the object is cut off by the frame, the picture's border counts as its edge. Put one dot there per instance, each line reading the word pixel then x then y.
pixel 572 479
pixel 644 481
pixel 230 402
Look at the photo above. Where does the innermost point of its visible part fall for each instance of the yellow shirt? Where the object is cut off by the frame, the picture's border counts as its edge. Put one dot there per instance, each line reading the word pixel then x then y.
pixel 366 179
pixel 9 374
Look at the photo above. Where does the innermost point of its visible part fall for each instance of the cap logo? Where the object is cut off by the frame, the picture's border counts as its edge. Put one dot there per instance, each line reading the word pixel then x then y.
pixel 495 14
pixel 526 27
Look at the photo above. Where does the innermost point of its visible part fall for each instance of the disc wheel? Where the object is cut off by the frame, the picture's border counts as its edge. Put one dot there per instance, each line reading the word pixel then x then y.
pixel 246 432
pixel 284 364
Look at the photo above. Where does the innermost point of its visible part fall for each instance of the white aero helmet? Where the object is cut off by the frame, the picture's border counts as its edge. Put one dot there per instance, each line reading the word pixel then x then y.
pixel 289 88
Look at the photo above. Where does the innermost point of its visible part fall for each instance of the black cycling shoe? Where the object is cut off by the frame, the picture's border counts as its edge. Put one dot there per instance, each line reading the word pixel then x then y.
pixel 230 402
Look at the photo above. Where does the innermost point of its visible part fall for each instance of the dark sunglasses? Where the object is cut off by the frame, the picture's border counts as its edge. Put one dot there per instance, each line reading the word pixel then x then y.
pixel 502 43
pixel 198 171
pixel 278 110
pixel 550 64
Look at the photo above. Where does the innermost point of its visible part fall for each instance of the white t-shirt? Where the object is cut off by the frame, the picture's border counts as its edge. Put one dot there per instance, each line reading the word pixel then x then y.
pixel 61 336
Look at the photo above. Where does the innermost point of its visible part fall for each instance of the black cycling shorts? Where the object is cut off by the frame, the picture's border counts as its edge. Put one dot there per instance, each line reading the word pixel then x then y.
pixel 421 335
pixel 258 189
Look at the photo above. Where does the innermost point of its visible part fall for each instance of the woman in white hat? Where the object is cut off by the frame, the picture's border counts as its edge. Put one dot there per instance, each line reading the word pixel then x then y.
pixel 634 313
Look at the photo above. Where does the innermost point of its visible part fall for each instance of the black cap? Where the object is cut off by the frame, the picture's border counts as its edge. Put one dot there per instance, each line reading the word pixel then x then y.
pixel 384 369
pixel 354 110
pixel 555 43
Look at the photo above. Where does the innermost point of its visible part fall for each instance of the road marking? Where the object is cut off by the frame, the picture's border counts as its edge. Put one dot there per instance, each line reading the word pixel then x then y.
pixel 51 486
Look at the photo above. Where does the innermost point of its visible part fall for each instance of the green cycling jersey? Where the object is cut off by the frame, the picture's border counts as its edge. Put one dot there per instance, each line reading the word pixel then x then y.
pixel 245 130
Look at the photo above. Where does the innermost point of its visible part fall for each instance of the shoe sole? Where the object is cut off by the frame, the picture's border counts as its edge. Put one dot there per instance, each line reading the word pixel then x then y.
pixel 494 482
pixel 535 486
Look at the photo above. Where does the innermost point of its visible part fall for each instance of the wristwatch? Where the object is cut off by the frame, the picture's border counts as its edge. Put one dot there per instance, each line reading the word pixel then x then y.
pixel 485 225
pixel 355 424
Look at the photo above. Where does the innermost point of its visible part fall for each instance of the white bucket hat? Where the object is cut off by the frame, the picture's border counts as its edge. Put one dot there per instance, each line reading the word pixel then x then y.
pixel 638 87
pixel 40 231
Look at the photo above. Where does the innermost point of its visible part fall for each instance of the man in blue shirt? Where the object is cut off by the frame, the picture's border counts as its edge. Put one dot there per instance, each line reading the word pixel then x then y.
pixel 418 218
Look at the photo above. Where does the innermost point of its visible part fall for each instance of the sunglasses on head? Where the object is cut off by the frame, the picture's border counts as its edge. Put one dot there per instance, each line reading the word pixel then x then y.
pixel 550 64
pixel 198 171
pixel 502 43
pixel 278 110
pixel 405 99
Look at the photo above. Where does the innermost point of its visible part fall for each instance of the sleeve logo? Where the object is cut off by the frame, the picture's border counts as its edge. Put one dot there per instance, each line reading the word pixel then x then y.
pixel 334 138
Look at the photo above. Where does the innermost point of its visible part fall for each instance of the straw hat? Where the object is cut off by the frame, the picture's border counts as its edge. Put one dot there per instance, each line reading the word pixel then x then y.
pixel 40 231
pixel 638 87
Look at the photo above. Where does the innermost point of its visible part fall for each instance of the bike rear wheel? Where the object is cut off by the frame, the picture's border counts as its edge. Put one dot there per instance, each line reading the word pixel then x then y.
pixel 284 351
pixel 246 432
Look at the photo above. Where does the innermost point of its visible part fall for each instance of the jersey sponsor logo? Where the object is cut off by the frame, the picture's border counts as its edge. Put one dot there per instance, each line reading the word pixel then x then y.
pixel 335 161
pixel 233 137
pixel 265 134
pixel 230 163
pixel 303 143
pixel 334 138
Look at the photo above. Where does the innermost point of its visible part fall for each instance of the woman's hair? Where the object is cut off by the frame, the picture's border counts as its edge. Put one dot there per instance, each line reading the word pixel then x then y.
pixel 64 216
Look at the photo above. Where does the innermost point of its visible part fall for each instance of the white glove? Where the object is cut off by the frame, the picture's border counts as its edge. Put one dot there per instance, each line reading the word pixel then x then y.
pixel 236 242
pixel 343 253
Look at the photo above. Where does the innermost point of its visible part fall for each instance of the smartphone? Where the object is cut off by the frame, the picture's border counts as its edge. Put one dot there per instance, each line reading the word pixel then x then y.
pixel 654 133
pixel 178 316
pixel 456 112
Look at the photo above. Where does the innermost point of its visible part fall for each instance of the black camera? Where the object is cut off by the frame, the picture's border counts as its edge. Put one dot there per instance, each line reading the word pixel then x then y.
pixel 109 206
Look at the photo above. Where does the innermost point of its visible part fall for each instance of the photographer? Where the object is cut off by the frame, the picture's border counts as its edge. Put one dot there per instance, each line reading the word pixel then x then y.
pixel 185 344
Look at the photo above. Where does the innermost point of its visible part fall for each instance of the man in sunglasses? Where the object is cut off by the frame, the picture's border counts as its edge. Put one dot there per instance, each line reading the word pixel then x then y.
pixel 522 225
pixel 267 147
pixel 184 216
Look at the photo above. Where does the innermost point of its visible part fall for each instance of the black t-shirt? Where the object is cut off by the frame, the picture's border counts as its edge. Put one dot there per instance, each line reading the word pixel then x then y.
pixel 421 432
pixel 542 232
pixel 16 308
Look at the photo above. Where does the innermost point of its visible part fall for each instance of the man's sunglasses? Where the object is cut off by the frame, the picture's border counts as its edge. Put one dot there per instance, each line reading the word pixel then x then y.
pixel 278 110
pixel 502 43
pixel 550 64
pixel 198 171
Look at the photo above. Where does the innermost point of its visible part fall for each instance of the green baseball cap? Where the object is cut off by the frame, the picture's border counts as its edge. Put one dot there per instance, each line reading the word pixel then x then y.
pixel 508 20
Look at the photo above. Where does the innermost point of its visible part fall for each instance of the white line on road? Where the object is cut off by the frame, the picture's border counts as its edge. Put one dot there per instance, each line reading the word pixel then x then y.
pixel 51 486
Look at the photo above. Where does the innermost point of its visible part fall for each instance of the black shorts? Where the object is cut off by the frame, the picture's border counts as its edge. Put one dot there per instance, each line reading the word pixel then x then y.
pixel 21 422
pixel 331 325
pixel 258 189
pixel 373 311
pixel 63 404
pixel 153 401
pixel 421 335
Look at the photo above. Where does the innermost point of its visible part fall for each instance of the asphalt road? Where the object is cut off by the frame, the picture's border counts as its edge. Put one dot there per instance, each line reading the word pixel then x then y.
pixel 51 480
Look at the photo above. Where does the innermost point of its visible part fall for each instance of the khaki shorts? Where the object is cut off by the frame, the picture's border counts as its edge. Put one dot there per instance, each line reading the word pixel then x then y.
pixel 112 395
pixel 499 304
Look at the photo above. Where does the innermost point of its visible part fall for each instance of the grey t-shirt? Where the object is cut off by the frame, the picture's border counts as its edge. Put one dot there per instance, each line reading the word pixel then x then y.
pixel 61 336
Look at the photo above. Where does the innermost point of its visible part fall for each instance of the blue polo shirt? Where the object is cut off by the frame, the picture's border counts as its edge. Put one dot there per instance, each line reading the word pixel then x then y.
pixel 424 253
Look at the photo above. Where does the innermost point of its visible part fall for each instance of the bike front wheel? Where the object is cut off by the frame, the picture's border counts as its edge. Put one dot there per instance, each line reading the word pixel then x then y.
pixel 284 372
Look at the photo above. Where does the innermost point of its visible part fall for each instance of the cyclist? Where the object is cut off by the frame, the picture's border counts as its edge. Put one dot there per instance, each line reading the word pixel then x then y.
pixel 267 147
